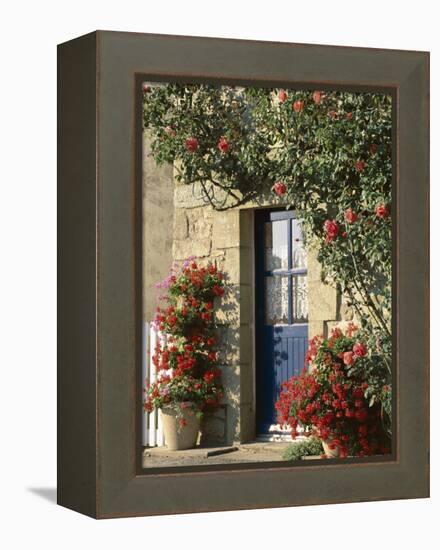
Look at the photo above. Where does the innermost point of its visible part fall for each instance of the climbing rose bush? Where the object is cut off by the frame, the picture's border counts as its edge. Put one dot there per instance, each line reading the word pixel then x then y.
pixel 337 396
pixel 186 358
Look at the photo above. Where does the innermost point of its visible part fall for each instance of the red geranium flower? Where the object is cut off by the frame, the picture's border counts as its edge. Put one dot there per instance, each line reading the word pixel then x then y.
pixel 218 290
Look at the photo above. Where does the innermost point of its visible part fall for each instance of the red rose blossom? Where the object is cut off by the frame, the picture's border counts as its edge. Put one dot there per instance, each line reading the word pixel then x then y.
pixel 298 105
pixel 382 211
pixel 348 358
pixel 359 349
pixel 317 97
pixel 282 95
pixel 360 165
pixel 279 188
pixel 192 144
pixel 331 229
pixel 350 216
pixel 223 145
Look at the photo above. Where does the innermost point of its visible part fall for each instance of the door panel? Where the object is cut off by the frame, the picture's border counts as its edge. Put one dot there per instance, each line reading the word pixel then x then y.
pixel 281 307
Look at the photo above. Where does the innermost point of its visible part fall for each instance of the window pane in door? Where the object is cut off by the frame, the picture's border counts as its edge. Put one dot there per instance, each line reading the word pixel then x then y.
pixel 276 297
pixel 300 304
pixel 275 245
pixel 299 254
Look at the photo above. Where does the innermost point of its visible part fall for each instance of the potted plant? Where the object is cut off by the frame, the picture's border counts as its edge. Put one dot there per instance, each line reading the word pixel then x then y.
pixel 186 359
pixel 341 396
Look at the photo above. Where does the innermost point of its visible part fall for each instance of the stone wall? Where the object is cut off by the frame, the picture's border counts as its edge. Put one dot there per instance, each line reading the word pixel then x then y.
pixel 157 235
pixel 179 224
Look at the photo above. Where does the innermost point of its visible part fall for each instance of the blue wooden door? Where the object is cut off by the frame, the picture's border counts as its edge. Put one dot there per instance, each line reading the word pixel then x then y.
pixel 281 307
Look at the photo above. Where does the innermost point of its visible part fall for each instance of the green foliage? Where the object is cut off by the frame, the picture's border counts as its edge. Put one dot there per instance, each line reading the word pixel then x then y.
pixel 310 446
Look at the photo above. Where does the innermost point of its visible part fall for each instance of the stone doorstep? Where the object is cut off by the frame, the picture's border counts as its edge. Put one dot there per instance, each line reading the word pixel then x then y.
pixel 197 452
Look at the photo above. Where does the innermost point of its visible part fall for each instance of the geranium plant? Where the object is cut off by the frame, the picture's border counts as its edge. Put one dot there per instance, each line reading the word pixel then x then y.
pixel 339 395
pixel 186 358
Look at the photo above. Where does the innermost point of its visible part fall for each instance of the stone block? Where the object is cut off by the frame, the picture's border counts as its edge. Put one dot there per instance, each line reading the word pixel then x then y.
pixel 226 229
pixel 246 265
pixel 214 427
pixel 323 302
pixel 246 344
pixel 180 224
pixel 314 268
pixel 246 228
pixel 247 383
pixel 227 308
pixel 229 345
pixel 199 223
pixel 231 265
pixel 183 249
pixel 247 423
pixel 316 328
pixel 246 303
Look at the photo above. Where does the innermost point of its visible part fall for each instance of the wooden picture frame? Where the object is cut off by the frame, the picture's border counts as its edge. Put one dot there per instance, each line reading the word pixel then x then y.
pixel 99 274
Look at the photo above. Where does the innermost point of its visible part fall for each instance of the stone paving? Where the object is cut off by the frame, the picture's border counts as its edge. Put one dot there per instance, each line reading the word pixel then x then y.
pixel 159 457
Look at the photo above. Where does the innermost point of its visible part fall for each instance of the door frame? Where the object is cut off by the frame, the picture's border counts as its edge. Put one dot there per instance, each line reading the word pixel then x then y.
pixel 260 217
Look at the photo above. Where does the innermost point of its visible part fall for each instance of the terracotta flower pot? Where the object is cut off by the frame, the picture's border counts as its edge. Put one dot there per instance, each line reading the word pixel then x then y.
pixel 179 437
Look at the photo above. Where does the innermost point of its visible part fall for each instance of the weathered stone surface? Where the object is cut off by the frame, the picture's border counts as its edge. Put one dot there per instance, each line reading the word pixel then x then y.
pixel 246 344
pixel 322 302
pixel 157 204
pixel 188 196
pixel 214 427
pixel 200 223
pixel 226 229
pixel 231 265
pixel 246 383
pixel 246 265
pixel 346 312
pixel 247 422
pixel 246 228
pixel 246 300
pixel 316 328
pixel 227 309
pixel 314 268
pixel 189 247
pixel 180 224
pixel 229 347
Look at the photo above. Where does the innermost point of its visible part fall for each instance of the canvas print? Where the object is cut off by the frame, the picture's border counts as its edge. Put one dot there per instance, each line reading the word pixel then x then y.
pixel 267 275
